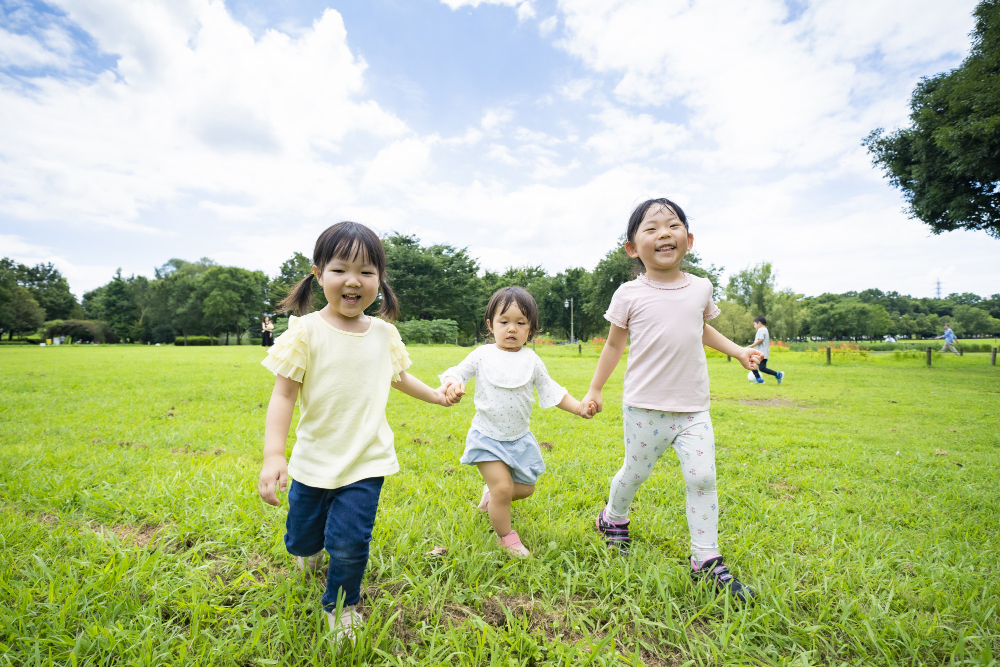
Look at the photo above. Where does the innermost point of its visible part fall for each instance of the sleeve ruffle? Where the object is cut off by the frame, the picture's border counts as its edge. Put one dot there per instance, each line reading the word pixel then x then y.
pixel 615 321
pixel 713 312
pixel 550 392
pixel 289 356
pixel 397 351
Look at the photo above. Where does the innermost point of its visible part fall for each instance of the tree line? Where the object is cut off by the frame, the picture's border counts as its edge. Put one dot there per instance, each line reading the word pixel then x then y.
pixel 443 292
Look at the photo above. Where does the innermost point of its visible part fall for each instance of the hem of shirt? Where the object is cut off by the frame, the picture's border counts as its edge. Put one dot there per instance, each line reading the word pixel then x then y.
pixel 715 313
pixel 338 482
pixel 615 321
pixel 674 408
pixel 515 439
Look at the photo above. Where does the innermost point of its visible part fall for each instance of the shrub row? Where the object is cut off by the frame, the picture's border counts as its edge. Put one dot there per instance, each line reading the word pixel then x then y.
pixel 428 331
pixel 95 331
pixel 194 340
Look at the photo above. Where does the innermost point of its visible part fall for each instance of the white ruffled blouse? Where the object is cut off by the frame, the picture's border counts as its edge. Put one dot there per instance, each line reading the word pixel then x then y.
pixel 504 389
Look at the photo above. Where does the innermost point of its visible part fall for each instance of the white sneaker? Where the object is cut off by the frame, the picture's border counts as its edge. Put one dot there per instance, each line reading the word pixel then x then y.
pixel 311 564
pixel 345 626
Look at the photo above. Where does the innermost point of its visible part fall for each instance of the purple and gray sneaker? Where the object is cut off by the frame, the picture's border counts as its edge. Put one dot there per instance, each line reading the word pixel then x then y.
pixel 713 569
pixel 615 532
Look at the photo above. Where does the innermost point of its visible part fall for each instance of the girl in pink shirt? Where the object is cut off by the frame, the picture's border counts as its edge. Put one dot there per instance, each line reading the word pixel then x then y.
pixel 665 401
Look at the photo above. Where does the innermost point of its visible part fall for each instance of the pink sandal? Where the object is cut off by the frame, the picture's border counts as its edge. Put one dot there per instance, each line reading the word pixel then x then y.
pixel 484 502
pixel 512 544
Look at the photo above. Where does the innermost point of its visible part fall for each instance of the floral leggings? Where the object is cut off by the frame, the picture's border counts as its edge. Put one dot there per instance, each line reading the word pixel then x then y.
pixel 650 433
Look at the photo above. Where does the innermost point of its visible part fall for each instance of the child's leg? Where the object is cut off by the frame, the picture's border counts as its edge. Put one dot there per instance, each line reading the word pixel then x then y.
pixel 503 490
pixel 306 520
pixel 765 369
pixel 349 524
pixel 644 443
pixel 695 447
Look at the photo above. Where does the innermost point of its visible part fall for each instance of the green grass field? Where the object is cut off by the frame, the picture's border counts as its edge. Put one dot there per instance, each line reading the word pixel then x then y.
pixel 859 499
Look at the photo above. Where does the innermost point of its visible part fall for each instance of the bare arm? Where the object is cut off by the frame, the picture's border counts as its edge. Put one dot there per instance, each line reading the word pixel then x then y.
pixel 578 408
pixel 274 473
pixel 745 355
pixel 610 356
pixel 411 386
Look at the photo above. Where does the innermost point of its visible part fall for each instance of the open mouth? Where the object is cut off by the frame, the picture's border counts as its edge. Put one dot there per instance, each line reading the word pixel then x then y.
pixel 666 248
pixel 351 299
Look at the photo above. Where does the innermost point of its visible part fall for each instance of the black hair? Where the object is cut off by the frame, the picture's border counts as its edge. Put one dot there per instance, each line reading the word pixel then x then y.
pixel 639 212
pixel 344 240
pixel 761 319
pixel 505 296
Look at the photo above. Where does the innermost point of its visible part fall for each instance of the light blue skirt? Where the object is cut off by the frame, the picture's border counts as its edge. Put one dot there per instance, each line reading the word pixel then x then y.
pixel 522 456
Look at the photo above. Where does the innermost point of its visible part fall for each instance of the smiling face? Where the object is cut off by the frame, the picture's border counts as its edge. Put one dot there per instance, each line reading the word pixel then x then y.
pixel 510 328
pixel 661 241
pixel 349 284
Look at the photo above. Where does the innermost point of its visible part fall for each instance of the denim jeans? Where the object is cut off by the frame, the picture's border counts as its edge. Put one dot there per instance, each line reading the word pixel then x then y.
pixel 340 521
pixel 764 369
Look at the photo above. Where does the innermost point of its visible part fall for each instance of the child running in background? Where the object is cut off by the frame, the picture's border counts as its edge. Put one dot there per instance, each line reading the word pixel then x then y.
pixel 499 442
pixel 665 400
pixel 762 343
pixel 340 363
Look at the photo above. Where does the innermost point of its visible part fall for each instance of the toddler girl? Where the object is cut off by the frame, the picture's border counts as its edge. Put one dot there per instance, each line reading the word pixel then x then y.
pixel 665 400
pixel 499 442
pixel 340 363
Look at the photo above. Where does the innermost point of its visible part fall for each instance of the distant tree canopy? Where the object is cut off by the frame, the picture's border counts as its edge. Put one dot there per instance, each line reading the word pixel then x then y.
pixel 443 294
pixel 947 163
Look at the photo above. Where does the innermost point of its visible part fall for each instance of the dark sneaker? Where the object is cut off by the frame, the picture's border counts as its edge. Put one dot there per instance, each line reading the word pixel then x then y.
pixel 714 570
pixel 781 376
pixel 615 532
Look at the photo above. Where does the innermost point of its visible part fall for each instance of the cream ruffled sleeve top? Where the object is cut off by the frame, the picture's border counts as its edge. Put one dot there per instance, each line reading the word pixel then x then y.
pixel 342 435
pixel 504 389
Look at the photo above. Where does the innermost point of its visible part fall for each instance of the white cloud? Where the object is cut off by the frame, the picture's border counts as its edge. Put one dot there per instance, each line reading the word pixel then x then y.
pixel 195 104
pixel 625 138
pixel 546 27
pixel 495 118
pixel 398 164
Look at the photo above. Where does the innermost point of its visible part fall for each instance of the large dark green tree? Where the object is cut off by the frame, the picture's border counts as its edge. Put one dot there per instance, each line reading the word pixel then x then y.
pixel 50 289
pixel 437 282
pixel 947 162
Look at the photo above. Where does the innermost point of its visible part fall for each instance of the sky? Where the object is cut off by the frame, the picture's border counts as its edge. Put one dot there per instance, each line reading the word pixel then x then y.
pixel 525 130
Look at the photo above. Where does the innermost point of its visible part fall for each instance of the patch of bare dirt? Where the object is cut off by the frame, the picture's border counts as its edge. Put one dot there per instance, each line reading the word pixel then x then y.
pixel 776 402
pixel 142 536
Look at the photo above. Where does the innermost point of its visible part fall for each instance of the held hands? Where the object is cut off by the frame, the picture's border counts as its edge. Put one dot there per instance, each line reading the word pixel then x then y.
pixel 587 409
pixel 749 358
pixel 453 390
pixel 273 478
pixel 593 398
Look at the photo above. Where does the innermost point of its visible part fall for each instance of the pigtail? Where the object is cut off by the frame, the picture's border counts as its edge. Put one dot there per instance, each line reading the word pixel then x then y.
pixel 300 299
pixel 389 310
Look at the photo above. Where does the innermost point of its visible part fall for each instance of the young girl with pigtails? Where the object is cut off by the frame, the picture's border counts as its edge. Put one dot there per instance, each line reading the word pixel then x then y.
pixel 663 316
pixel 340 364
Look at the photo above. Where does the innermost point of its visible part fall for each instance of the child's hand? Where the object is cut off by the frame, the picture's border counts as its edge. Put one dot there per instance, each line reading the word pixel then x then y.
pixel 587 409
pixel 749 358
pixel 593 398
pixel 273 477
pixel 455 391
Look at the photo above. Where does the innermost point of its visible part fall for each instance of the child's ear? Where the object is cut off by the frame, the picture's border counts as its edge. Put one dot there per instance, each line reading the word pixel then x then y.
pixel 630 250
pixel 690 241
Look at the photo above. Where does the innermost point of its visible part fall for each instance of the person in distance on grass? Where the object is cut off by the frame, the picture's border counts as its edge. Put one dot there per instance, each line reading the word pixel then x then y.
pixel 340 363
pixel 762 343
pixel 499 442
pixel 665 401
pixel 949 339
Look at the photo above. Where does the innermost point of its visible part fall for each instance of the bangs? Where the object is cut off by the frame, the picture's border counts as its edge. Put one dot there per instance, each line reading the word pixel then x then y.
pixel 348 241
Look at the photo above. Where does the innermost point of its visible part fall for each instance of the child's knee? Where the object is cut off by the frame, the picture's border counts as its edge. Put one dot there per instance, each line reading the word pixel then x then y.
pixel 702 483
pixel 502 490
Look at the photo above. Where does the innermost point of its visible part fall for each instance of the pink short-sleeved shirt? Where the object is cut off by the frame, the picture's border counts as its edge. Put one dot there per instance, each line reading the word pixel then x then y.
pixel 666 368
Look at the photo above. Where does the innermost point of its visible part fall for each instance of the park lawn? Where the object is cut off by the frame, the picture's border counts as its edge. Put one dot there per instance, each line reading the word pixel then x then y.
pixel 859 499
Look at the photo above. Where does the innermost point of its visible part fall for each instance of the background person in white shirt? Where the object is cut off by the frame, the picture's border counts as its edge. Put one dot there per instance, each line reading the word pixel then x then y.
pixel 762 343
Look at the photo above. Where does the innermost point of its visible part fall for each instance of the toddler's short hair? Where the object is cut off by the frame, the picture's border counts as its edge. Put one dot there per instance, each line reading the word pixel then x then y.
pixel 503 297
pixel 761 319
